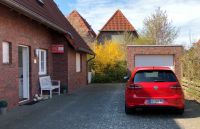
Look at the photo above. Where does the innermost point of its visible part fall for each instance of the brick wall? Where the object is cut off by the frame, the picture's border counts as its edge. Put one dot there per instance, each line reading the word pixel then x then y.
pixel 60 61
pixel 20 30
pixel 177 51
pixel 76 79
pixel 64 66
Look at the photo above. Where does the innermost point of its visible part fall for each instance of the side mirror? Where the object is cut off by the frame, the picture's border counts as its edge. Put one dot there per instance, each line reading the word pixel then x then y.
pixel 126 78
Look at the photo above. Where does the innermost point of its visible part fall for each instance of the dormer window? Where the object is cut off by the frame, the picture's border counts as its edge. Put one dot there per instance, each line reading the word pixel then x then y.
pixel 41 2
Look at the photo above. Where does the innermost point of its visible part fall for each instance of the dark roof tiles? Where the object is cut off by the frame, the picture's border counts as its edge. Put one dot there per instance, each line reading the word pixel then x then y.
pixel 51 13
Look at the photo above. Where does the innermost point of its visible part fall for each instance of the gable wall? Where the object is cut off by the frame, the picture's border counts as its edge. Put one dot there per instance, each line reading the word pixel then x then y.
pixel 107 35
pixel 20 30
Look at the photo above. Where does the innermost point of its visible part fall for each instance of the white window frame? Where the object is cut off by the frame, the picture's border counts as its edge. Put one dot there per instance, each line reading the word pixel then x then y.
pixel 78 62
pixel 39 53
pixel 5 52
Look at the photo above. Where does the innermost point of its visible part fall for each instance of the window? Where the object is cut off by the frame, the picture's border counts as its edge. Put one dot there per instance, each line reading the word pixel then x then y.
pixel 78 62
pixel 118 38
pixel 6 52
pixel 42 54
pixel 155 76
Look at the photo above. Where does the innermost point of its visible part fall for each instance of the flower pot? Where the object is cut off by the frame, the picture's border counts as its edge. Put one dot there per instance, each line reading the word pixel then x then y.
pixel 65 91
pixel 3 111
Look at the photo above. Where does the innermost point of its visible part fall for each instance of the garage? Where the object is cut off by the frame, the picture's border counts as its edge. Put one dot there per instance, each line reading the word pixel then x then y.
pixel 155 55
pixel 154 60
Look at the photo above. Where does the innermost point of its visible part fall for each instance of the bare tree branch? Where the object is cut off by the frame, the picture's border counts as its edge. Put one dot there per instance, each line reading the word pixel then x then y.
pixel 159 29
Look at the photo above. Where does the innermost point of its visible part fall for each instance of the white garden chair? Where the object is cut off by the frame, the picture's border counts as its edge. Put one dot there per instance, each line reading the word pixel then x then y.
pixel 47 84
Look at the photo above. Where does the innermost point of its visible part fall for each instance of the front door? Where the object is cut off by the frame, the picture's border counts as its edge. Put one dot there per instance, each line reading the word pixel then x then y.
pixel 23 59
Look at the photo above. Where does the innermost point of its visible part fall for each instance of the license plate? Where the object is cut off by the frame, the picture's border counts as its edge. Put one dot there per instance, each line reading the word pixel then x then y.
pixel 154 101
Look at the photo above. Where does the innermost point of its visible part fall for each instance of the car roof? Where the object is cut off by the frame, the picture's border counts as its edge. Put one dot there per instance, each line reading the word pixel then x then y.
pixel 152 68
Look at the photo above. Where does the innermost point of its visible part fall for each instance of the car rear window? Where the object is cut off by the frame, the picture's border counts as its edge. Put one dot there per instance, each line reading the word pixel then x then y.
pixel 155 76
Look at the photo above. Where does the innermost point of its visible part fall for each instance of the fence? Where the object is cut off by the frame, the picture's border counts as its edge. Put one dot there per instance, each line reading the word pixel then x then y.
pixel 192 89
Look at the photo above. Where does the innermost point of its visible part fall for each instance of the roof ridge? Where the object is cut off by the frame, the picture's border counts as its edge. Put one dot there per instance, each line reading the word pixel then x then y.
pixel 84 21
pixel 110 19
pixel 127 22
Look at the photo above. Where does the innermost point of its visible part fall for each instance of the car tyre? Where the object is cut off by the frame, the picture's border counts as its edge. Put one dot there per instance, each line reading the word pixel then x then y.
pixel 128 110
pixel 180 111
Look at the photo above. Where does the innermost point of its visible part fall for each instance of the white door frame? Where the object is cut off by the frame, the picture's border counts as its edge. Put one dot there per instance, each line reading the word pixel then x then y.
pixel 26 72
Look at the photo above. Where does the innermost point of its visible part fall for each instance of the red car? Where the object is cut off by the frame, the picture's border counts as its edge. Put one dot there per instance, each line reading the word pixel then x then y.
pixel 153 87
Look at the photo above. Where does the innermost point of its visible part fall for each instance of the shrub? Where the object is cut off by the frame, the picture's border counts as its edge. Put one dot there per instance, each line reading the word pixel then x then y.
pixel 191 63
pixel 107 54
pixel 3 104
pixel 111 74
pixel 101 78
pixel 109 64
pixel 191 72
pixel 117 72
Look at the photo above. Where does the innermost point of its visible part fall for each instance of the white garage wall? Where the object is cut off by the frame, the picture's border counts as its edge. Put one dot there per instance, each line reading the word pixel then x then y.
pixel 154 60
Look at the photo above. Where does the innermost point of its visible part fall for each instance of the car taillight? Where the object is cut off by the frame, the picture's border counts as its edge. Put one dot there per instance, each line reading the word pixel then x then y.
pixel 176 86
pixel 135 86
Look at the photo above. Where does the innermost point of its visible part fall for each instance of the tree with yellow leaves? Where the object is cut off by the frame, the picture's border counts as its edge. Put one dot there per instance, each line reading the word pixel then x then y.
pixel 109 64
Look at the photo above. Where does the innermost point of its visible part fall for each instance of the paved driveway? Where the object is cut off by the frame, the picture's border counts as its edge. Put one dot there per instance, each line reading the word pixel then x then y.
pixel 99 106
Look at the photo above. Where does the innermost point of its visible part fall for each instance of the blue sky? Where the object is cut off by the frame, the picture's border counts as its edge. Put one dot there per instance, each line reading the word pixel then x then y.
pixel 184 13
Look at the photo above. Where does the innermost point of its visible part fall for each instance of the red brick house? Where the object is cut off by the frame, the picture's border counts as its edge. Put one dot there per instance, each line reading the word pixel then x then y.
pixel 29 29
pixel 82 26
pixel 115 28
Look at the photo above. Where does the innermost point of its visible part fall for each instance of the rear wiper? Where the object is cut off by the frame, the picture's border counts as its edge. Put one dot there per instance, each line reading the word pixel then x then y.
pixel 159 81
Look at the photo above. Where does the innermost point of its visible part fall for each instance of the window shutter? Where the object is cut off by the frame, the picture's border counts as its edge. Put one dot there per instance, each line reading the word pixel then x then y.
pixel 45 62
pixel 78 62
pixel 5 52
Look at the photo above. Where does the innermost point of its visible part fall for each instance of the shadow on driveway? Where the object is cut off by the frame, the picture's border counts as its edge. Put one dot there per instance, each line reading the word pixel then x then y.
pixel 98 106
pixel 192 110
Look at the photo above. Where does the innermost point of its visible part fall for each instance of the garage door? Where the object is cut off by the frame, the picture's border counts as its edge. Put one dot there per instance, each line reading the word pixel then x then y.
pixel 154 60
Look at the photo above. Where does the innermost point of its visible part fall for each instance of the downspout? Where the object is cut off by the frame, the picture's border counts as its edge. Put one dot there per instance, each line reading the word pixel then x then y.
pixel 88 67
pixel 91 58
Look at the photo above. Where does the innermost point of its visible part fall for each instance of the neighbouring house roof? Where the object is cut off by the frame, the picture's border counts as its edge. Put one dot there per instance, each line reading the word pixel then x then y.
pixel 118 22
pixel 80 24
pixel 47 13
pixel 198 42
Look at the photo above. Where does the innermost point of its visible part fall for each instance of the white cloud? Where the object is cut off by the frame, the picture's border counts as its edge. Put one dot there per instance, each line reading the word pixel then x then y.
pixel 183 13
